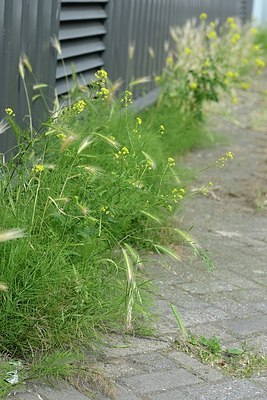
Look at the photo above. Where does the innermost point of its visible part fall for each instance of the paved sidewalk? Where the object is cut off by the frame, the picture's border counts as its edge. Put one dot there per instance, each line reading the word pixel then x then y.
pixel 229 302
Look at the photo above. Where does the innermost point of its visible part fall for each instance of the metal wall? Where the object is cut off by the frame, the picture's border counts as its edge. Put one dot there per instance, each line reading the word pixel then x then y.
pixel 144 25
pixel 26 27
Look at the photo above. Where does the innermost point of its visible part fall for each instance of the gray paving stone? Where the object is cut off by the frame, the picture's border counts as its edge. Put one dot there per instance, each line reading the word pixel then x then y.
pixel 227 390
pixel 196 367
pixel 156 381
pixel 47 393
pixel 247 326
pixel 122 393
pixel 153 362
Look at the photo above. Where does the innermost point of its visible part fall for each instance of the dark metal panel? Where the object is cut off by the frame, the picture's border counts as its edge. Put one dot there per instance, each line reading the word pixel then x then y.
pixel 25 29
pixel 73 12
pixel 78 47
pixel 71 30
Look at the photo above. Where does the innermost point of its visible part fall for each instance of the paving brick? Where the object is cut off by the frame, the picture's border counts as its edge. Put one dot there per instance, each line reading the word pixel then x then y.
pixel 47 393
pixel 156 381
pixel 153 362
pixel 196 367
pixel 227 390
pixel 247 326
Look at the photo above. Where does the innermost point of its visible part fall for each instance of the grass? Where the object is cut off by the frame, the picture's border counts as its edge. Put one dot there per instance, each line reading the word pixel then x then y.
pixel 239 362
pixel 94 189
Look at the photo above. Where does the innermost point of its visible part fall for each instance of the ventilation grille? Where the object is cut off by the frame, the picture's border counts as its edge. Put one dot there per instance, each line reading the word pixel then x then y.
pixel 81 35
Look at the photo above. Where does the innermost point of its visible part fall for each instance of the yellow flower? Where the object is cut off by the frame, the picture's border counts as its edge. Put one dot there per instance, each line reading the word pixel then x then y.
pixel 187 50
pixel 254 31
pixel 38 168
pixel 212 35
pixel 245 85
pixel 207 63
pixel 233 26
pixel 169 60
pixel 235 38
pixel 10 112
pixel 234 100
pixel 103 93
pixel 203 16
pixel 171 162
pixel 61 136
pixel 256 47
pixel 79 106
pixel 105 210
pixel 162 129
pixel 245 61
pixel 138 120
pixel 127 99
pixel 230 155
pixel 193 85
pixel 231 74
pixel 102 75
pixel 230 20
pixel 125 151
pixel 212 24
pixel 259 63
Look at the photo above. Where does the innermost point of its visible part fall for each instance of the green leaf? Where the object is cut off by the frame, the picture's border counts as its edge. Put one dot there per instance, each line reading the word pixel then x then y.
pixel 149 215
pixel 163 249
pixel 236 352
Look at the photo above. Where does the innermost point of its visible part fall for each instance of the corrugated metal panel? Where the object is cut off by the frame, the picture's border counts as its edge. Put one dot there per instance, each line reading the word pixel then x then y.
pixel 145 24
pixel 26 28
pixel 81 38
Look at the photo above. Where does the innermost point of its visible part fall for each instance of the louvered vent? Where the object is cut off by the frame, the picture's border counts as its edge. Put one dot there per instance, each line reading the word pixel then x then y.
pixel 81 38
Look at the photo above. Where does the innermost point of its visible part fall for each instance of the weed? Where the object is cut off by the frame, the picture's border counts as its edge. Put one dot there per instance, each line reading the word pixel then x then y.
pixel 239 362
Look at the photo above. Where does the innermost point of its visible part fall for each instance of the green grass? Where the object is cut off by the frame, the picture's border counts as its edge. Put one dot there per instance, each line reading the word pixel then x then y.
pixel 261 38
pixel 93 190
pixel 239 362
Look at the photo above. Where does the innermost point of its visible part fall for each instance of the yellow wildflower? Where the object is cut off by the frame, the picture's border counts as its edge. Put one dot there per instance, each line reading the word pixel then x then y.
pixel 203 16
pixel 212 24
pixel 10 112
pixel 102 75
pixel 105 210
pixel 169 60
pixel 193 85
pixel 138 120
pixel 230 20
pixel 235 38
pixel 171 162
pixel 207 63
pixel 254 31
pixel 187 50
pixel 127 99
pixel 125 151
pixel 162 129
pixel 79 106
pixel 234 100
pixel 260 63
pixel 256 47
pixel 38 168
pixel 233 26
pixel 212 35
pixel 245 85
